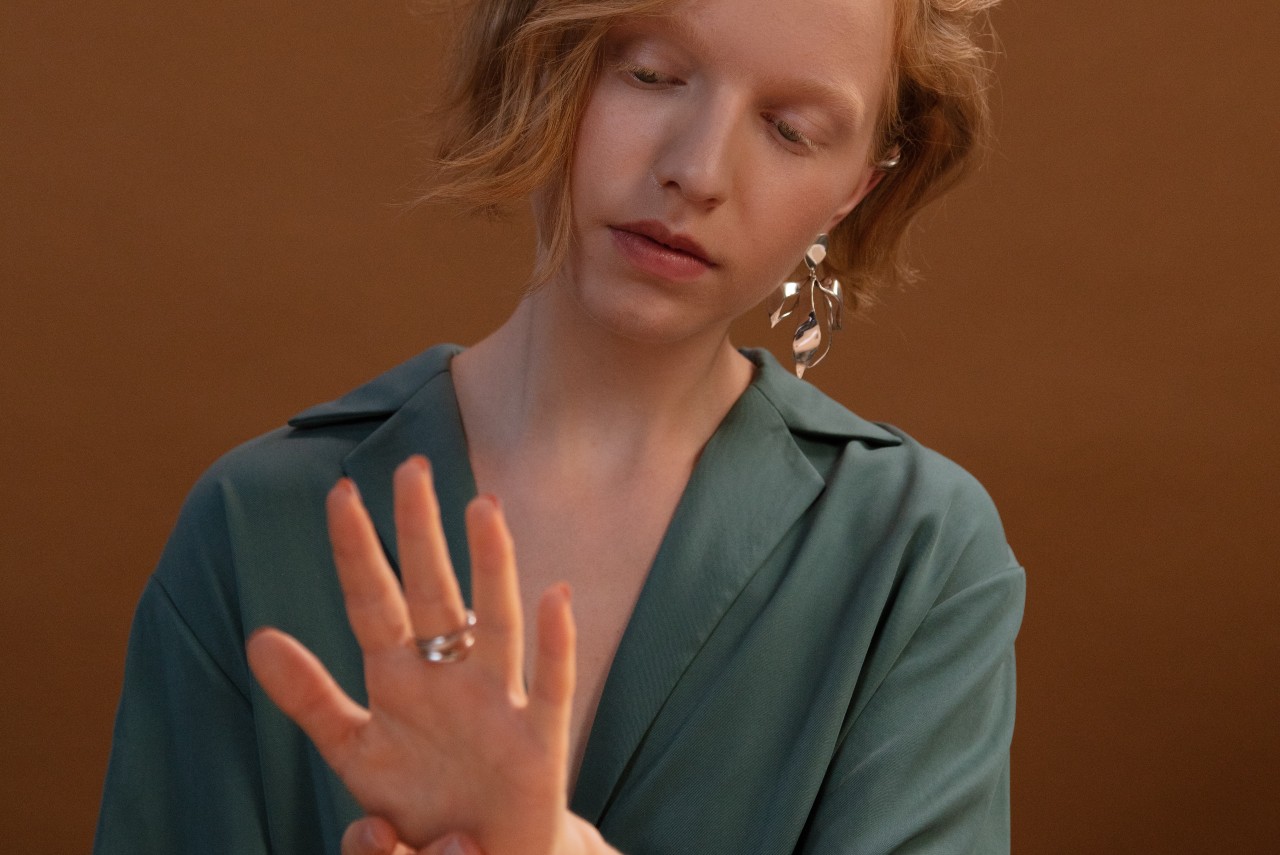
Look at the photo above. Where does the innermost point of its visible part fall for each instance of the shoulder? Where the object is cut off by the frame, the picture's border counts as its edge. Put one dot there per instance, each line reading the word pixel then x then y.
pixel 265 498
pixel 930 483
pixel 882 458
pixel 307 453
pixel 954 526
pixel 936 526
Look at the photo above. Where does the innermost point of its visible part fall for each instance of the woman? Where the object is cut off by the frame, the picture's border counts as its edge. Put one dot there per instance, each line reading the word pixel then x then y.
pixel 794 628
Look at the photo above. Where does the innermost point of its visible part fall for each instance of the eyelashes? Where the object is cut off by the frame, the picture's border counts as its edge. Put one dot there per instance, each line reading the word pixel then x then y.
pixel 647 76
pixel 790 134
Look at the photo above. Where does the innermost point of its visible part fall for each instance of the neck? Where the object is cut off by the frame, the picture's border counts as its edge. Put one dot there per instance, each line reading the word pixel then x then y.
pixel 551 386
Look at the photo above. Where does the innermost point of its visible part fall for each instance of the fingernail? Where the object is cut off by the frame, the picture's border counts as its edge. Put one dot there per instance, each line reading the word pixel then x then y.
pixel 492 500
pixel 567 590
pixel 454 847
pixel 421 461
pixel 346 487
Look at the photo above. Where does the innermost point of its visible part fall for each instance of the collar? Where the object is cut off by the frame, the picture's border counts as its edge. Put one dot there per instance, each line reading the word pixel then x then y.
pixel 383 395
pixel 749 488
pixel 807 410
pixel 802 407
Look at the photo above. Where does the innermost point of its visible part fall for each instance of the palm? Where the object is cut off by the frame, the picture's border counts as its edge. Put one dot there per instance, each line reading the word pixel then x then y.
pixel 442 746
pixel 406 763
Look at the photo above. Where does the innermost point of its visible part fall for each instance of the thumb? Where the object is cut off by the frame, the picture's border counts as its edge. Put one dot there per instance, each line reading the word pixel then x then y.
pixel 372 835
pixel 451 844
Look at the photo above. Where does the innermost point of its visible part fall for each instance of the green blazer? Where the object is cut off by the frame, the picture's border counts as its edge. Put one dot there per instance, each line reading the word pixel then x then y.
pixel 820 661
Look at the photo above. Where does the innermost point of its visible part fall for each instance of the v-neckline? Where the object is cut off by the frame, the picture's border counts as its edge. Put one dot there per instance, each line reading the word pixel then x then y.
pixel 748 487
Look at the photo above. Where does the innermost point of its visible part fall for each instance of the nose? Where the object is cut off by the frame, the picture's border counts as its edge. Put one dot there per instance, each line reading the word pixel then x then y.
pixel 696 156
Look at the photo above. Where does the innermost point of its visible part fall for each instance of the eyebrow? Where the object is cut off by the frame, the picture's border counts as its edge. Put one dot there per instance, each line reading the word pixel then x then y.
pixel 845 105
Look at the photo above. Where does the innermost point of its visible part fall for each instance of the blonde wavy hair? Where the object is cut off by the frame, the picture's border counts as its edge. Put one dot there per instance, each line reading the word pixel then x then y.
pixel 524 69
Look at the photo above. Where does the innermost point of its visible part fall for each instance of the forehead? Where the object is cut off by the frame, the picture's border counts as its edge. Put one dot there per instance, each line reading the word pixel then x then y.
pixel 848 43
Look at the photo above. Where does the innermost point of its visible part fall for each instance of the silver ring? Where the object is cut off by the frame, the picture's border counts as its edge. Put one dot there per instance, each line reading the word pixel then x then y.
pixel 452 646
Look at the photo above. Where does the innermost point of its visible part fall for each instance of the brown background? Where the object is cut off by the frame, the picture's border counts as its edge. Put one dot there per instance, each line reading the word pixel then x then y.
pixel 198 241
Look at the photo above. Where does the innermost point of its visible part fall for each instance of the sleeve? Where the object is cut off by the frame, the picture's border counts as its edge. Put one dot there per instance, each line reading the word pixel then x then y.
pixel 183 775
pixel 923 765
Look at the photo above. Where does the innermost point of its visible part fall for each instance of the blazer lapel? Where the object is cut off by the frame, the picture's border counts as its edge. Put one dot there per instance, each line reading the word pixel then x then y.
pixel 749 487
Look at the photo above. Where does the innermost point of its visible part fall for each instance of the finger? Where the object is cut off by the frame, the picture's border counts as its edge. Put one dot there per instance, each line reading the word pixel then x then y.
pixel 496 594
pixel 370 835
pixel 375 604
pixel 554 669
pixel 430 586
pixel 301 686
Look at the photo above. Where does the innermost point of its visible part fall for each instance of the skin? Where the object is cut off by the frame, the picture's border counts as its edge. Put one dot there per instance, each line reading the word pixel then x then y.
pixel 392 754
pixel 719 95
pixel 744 124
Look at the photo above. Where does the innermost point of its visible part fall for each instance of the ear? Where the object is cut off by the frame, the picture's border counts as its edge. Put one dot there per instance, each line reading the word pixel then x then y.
pixel 865 186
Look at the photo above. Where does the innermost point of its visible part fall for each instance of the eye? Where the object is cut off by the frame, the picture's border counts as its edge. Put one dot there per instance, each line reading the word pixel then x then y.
pixel 789 133
pixel 646 76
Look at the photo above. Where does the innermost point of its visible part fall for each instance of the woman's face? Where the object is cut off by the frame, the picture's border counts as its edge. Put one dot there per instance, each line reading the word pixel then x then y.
pixel 718 142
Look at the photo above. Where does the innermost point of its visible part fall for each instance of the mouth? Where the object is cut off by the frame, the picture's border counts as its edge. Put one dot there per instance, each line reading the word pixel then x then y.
pixel 664 239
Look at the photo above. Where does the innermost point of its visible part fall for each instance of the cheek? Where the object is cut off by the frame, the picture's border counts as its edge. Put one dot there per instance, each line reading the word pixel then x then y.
pixel 785 221
pixel 608 151
pixel 788 215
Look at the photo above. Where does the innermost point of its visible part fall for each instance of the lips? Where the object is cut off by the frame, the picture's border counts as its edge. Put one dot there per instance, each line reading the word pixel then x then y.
pixel 658 254
pixel 660 234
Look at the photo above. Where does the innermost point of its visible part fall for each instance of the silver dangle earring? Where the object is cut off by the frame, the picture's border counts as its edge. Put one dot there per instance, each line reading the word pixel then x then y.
pixel 808 344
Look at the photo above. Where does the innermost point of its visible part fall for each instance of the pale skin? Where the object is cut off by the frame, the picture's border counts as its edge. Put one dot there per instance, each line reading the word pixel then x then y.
pixel 390 754
pixel 600 391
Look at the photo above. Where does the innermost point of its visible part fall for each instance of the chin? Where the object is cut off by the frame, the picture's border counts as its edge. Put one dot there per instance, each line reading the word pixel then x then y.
pixel 643 309
pixel 645 318
pixel 639 326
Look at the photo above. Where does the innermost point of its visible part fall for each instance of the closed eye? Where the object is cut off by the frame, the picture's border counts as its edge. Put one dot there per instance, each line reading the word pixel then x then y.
pixel 789 133
pixel 648 76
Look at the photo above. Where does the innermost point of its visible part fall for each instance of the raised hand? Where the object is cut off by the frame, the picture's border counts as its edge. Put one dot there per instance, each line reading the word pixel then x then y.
pixel 443 747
